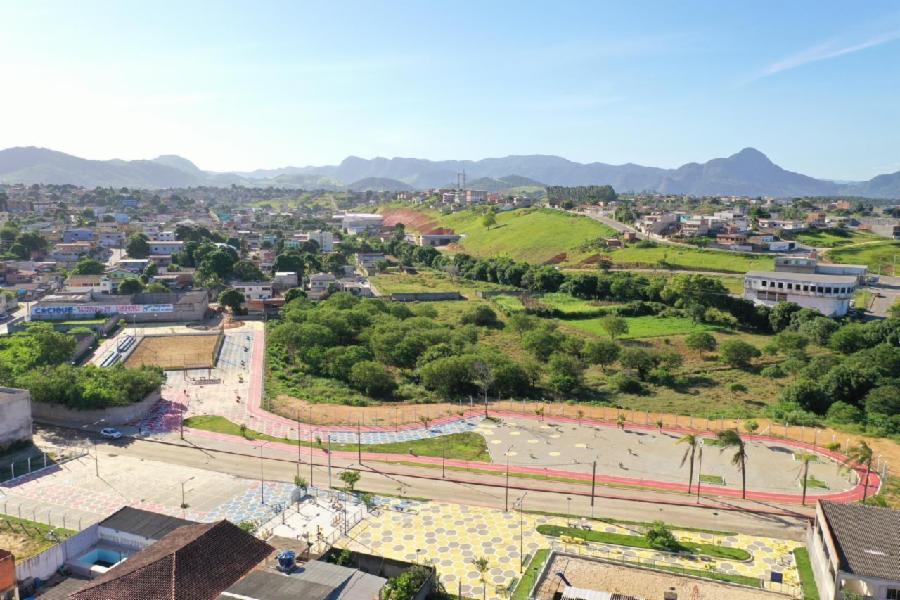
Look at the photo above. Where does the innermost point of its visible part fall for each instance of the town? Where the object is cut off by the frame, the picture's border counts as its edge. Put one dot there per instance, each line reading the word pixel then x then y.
pixel 451 391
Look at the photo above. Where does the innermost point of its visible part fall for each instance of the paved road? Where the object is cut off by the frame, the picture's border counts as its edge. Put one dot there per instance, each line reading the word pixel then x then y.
pixel 477 490
pixel 885 295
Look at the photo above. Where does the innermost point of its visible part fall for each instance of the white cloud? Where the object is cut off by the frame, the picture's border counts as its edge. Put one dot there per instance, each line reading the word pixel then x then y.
pixel 826 51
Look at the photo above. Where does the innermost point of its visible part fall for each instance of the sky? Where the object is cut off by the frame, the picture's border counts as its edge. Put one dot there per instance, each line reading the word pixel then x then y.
pixel 243 85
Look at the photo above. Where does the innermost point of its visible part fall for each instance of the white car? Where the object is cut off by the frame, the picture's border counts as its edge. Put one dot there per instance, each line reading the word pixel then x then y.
pixel 111 433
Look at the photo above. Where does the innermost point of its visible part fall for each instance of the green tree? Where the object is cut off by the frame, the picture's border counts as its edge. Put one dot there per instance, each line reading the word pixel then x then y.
pixel 232 299
pixel 565 373
pixel 601 352
pixel 244 270
pixel 692 442
pixel 614 325
pixel 738 354
pixel 481 565
pixel 700 341
pixel 157 288
pixel 638 360
pixel 805 458
pixel 883 400
pixel 88 266
pixel 138 245
pixel 130 285
pixel 730 438
pixel 350 479
pixel 660 537
pixel 489 219
pixel 860 455
pixel 372 378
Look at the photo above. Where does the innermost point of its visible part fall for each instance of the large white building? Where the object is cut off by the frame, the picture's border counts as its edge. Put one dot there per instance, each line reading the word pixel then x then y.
pixel 355 223
pixel 855 549
pixel 828 294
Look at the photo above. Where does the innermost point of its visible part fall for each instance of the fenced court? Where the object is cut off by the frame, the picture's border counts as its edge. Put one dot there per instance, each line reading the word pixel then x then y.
pixel 177 352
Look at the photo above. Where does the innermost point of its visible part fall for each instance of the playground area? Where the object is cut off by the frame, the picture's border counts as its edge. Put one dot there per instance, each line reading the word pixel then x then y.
pixel 176 352
pixel 318 519
pixel 651 455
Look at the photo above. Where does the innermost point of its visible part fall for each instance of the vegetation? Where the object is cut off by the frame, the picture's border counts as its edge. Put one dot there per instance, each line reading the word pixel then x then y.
pixel 462 446
pixel 879 256
pixel 832 238
pixel 807 579
pixel 37 359
pixel 405 585
pixel 659 535
pixel 529 577
pixel 643 327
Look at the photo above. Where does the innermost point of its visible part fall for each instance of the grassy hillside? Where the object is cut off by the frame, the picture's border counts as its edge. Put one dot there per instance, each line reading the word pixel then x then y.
pixel 690 258
pixel 877 255
pixel 533 235
pixel 832 238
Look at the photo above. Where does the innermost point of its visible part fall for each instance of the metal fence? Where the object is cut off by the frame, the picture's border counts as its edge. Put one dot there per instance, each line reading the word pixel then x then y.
pixel 37 462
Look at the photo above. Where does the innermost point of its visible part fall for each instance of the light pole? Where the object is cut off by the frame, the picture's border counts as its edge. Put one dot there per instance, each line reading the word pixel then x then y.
pixel 183 503
pixel 506 505
pixel 94 444
pixel 521 504
pixel 310 458
pixel 262 475
pixel 329 460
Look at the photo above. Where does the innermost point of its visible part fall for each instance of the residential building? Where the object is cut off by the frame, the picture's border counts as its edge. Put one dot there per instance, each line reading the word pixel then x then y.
pixel 87 283
pixel 803 264
pixel 70 253
pixel 695 227
pixel 165 247
pixel 854 548
pixel 9 590
pixel 356 223
pixel 325 239
pixel 314 580
pixel 829 294
pixel 196 562
pixel 111 239
pixel 163 236
pixel 15 417
pixel 78 235
pixel 436 237
pixel 366 261
pixel 254 290
pixel 783 224
pixel 285 279
pixel 320 284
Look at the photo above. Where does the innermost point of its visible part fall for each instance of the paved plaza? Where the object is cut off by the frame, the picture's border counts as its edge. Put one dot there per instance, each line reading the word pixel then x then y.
pixel 649 454
pixel 451 536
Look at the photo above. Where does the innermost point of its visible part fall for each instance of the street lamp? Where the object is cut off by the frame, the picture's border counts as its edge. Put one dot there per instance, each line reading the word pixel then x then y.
pixel 262 476
pixel 94 444
pixel 183 503
pixel 506 505
pixel 521 504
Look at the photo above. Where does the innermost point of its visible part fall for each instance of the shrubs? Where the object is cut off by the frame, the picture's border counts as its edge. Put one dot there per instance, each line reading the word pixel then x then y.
pixel 701 341
pixel 660 537
pixel 91 387
pixel 738 354
pixel 626 384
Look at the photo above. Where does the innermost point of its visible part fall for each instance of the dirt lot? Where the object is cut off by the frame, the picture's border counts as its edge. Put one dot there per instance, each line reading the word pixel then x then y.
pixel 175 352
pixel 22 545
pixel 640 583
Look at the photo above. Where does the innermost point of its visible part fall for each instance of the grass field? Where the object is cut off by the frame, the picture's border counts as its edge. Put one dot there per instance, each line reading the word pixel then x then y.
pixel 690 258
pixel 878 256
pixel 832 238
pixel 428 281
pixel 175 352
pixel 807 579
pixel 532 235
pixel 643 327
pixel 26 538
pixel 463 446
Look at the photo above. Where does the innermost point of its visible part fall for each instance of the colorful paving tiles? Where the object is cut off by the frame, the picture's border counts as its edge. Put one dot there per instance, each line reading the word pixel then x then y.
pixel 451 536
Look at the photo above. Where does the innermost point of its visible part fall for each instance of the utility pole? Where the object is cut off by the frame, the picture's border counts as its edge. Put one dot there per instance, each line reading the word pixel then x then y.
pixel 358 443
pixel 593 485
pixel 444 459
pixel 310 458
pixel 699 470
pixel 506 504
pixel 329 460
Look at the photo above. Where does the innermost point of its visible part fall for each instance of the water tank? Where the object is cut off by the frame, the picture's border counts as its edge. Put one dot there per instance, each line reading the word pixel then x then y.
pixel 286 560
pixel 670 594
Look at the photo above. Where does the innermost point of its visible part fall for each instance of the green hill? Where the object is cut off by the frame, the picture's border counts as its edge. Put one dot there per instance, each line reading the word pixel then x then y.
pixel 533 235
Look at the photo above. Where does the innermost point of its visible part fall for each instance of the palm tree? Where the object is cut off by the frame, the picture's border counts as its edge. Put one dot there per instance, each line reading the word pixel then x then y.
pixel 805 458
pixel 730 438
pixel 692 442
pixel 862 455
pixel 481 565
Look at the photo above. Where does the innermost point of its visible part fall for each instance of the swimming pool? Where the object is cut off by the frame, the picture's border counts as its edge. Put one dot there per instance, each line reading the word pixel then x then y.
pixel 98 560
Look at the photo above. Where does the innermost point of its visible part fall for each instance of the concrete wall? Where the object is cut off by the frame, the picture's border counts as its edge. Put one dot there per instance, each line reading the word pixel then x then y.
pixel 44 565
pixel 118 415
pixel 15 416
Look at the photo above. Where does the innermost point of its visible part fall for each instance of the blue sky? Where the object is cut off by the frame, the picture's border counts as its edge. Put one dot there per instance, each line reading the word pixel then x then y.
pixel 236 86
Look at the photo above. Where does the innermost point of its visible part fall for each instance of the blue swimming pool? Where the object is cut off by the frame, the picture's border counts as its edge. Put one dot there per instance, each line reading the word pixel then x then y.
pixel 99 559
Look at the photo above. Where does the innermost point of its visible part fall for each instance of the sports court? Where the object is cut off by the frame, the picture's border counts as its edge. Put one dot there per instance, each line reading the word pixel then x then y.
pixel 176 352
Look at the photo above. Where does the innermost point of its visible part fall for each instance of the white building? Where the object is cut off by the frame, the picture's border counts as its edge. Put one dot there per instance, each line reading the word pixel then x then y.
pixel 254 290
pixel 15 416
pixel 165 247
pixel 356 223
pixel 285 279
pixel 828 294
pixel 163 236
pixel 325 239
pixel 89 283
pixel 855 549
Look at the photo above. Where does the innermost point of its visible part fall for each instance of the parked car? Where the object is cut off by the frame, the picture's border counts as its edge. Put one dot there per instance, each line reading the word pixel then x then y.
pixel 111 433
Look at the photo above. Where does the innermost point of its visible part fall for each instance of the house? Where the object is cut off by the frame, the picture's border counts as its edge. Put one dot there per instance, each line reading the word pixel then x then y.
pixel 111 239
pixel 8 587
pixel 816 219
pixel 193 562
pixel 783 224
pixel 356 223
pixel 437 237
pixel 133 265
pixel 163 236
pixel 78 235
pixel 86 283
pixel 366 261
pixel 312 581
pixel 320 284
pixel 731 239
pixel 854 548
pixel 325 239
pixel 254 290
pixel 829 294
pixel 70 253
pixel 695 227
pixel 165 247
pixel 285 279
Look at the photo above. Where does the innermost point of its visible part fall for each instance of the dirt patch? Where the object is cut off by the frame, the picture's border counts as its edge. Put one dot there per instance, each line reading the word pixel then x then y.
pixel 555 260
pixel 22 545
pixel 176 352
pixel 412 220
pixel 641 583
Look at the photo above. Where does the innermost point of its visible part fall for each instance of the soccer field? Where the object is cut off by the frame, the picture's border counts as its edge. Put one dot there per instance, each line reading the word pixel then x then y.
pixel 176 352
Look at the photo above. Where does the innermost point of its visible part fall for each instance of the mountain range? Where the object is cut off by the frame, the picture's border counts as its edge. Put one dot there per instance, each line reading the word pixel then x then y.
pixel 746 173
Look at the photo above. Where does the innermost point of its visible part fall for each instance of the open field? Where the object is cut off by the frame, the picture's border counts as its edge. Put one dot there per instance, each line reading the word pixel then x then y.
pixel 428 281
pixel 26 538
pixel 690 258
pixel 175 352
pixel 832 238
pixel 644 327
pixel 879 256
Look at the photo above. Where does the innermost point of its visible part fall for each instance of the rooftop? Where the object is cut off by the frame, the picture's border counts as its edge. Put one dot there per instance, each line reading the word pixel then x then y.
pixel 866 539
pixel 804 277
pixel 150 525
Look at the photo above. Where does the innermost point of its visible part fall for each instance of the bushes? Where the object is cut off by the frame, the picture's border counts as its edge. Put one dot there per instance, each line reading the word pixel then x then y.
pixel 701 341
pixel 738 354
pixel 90 387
